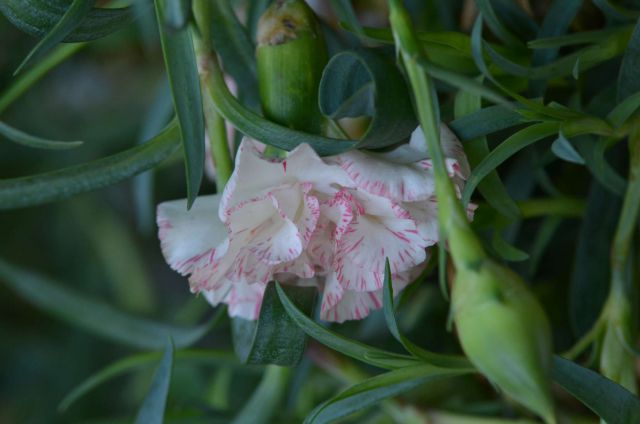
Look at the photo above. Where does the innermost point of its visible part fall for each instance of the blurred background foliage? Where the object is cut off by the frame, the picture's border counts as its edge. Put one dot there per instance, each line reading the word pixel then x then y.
pixel 103 244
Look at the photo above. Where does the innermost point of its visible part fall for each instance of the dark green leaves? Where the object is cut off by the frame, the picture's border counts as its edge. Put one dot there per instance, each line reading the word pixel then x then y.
pixel 274 338
pixel 505 150
pixel 29 140
pixel 96 317
pixel 235 48
pixel 152 409
pixel 38 17
pixel 63 183
pixel 177 13
pixel 182 70
pixel 613 403
pixel 364 83
pixel 67 23
pixel 262 129
pixel 375 389
pixel 628 78
pixel 563 149
pixel 352 348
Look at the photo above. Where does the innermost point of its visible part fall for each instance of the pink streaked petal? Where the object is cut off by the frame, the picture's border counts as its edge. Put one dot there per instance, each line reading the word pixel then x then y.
pixel 451 146
pixel 375 175
pixel 188 238
pixel 367 243
pixel 302 267
pixel 341 305
pixel 340 210
pixel 245 300
pixel 296 204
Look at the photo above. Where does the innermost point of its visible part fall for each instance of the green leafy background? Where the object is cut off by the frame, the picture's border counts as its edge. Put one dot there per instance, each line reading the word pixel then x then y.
pixel 96 328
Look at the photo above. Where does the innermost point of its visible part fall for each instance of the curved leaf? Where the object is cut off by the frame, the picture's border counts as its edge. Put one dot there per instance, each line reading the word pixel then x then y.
pixel 447 361
pixel 485 121
pixel 363 82
pixel 262 129
pixel 29 140
pixel 138 361
pixel 38 17
pixel 496 26
pixel 612 402
pixel 152 409
pixel 615 11
pixel 94 316
pixel 72 17
pixel 504 151
pixel 492 188
pixel 375 389
pixel 63 183
pixel 360 351
pixel 274 338
pixel 182 70
pixel 563 149
pixel 583 37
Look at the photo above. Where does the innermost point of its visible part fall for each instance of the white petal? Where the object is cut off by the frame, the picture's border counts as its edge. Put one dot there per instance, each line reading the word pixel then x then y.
pixel 450 145
pixel 383 231
pixel 188 238
pixel 376 175
pixel 304 164
pixel 245 300
pixel 340 305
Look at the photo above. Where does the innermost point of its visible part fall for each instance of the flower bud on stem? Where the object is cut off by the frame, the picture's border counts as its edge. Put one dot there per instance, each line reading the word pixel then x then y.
pixel 291 56
pixel 502 328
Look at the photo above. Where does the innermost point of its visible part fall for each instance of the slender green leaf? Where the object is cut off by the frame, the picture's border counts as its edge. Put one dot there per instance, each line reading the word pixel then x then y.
pixel 591 269
pixel 274 338
pixel 628 78
pixel 236 49
pixel 373 390
pixel 94 316
pixel 63 183
pixel 492 188
pixel 29 140
pixel 485 121
pixel 152 409
pixel 507 251
pixel 583 37
pixel 563 149
pixel 67 23
pixel 141 361
pixel 256 9
pixel 593 152
pixel 504 34
pixel 360 351
pixel 177 13
pixel 588 56
pixel 182 70
pixel 266 399
pixel 447 361
pixel 612 402
pixel 38 17
pixel 556 22
pixel 262 129
pixel 504 151
pixel 624 110
pixel 363 82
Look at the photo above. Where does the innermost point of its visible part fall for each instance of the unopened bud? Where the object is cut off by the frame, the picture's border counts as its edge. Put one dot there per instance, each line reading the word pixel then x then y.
pixel 505 333
pixel 291 56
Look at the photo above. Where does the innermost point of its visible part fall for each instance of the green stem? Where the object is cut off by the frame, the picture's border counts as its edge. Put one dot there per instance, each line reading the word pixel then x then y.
pixel 215 123
pixel 557 206
pixel 263 403
pixel 35 74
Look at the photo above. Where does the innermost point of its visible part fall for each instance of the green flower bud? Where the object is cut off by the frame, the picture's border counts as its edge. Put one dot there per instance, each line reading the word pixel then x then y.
pixel 505 333
pixel 291 56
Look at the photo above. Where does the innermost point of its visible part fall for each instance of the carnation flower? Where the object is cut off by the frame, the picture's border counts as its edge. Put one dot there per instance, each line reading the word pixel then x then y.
pixel 304 220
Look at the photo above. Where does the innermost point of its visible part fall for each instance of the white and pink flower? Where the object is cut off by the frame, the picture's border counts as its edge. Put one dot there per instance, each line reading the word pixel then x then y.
pixel 304 220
